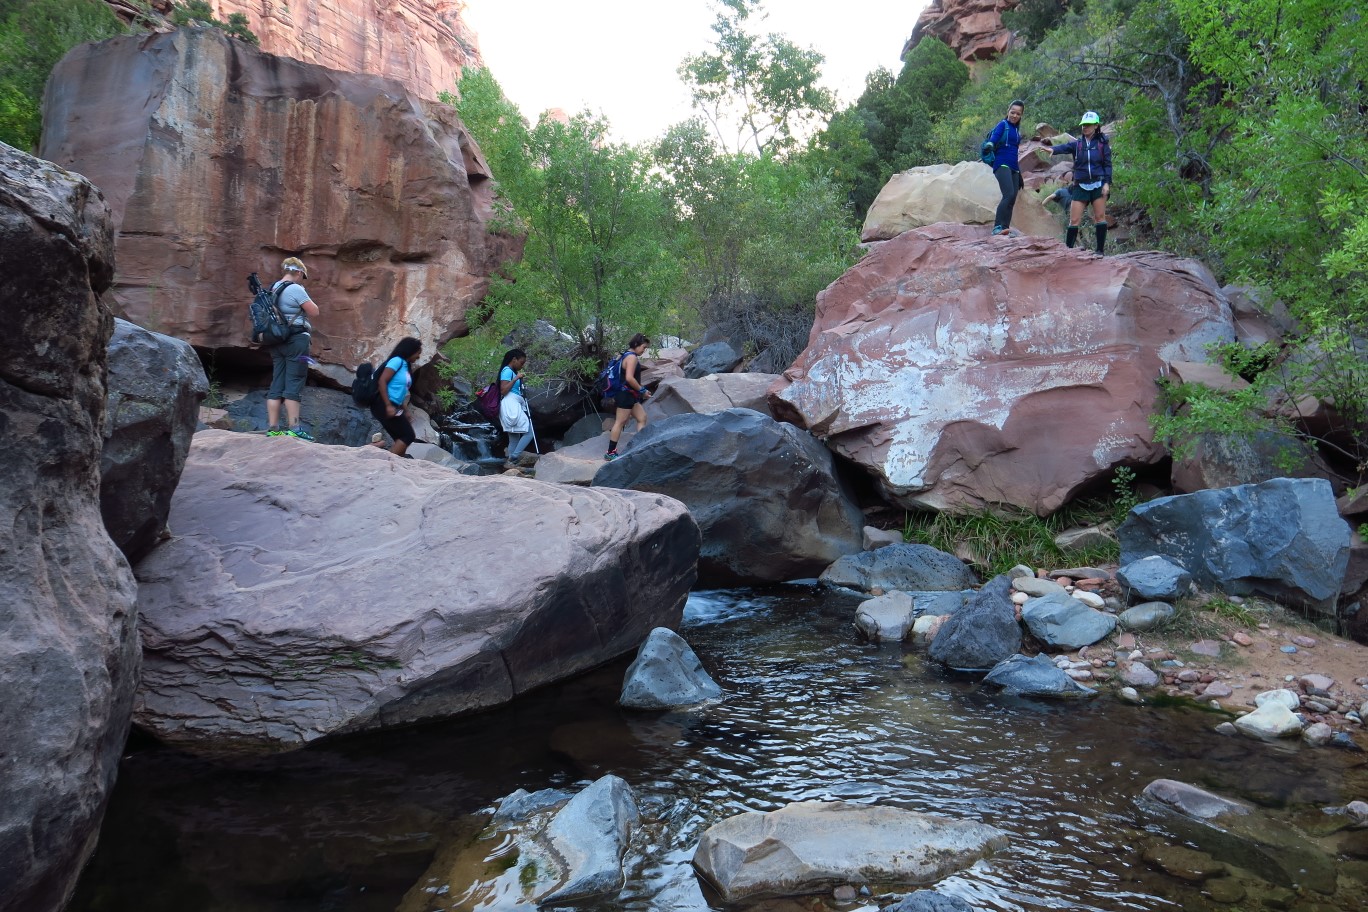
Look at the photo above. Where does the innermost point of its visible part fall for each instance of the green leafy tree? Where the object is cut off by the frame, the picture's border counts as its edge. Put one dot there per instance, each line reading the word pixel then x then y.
pixel 1284 194
pixel 757 237
pixel 1032 19
pixel 34 35
pixel 595 263
pixel 199 12
pixel 757 92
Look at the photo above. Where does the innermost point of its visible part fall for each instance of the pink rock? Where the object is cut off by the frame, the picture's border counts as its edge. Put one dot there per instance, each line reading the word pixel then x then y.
pixel 1218 689
pixel 1318 681
pixel 1126 641
pixel 964 373
pixel 1189 676
pixel 1209 648
pixel 1305 642
pixel 1242 638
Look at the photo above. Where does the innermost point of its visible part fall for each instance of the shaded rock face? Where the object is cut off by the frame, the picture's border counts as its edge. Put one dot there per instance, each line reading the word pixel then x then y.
pixel 1283 539
pixel 766 495
pixel 69 654
pixel 965 192
pixel 973 29
pixel 423 44
pixel 965 371
pixel 285 607
pixel 812 846
pixel 218 160
pixel 156 384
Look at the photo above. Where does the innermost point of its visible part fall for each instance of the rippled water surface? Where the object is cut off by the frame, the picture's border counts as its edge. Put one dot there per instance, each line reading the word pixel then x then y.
pixel 811 713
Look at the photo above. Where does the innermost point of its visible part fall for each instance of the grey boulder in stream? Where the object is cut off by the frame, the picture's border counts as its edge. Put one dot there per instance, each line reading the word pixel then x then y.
pixel 813 846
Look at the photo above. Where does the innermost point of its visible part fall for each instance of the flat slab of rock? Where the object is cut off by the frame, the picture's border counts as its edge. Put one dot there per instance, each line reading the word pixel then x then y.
pixel 286 607
pixel 710 394
pixel 813 846
pixel 577 464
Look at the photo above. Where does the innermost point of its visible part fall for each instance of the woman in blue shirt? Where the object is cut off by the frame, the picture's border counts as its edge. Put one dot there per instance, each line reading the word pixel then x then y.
pixel 1006 144
pixel 1092 174
pixel 390 407
pixel 514 415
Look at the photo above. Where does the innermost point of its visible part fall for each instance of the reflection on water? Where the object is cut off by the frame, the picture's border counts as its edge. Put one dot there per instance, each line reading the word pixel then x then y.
pixel 811 713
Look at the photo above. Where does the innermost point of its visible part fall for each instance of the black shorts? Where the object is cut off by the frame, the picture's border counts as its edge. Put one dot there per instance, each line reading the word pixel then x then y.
pixel 625 399
pixel 1079 195
pixel 398 427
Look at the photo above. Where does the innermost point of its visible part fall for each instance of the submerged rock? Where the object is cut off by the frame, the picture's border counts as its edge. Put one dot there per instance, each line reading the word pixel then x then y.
pixel 1234 832
pixel 813 846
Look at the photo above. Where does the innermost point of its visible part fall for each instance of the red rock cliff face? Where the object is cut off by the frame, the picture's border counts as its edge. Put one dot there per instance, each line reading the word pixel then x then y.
pixel 972 28
pixel 218 160
pixel 422 43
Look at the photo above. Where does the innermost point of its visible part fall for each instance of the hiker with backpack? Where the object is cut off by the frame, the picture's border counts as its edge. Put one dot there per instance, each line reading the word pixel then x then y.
pixel 290 359
pixel 1092 174
pixel 1000 152
pixel 627 392
pixel 514 415
pixel 390 406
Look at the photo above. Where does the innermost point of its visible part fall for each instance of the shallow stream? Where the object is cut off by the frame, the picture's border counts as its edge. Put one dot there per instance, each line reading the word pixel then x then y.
pixel 811 713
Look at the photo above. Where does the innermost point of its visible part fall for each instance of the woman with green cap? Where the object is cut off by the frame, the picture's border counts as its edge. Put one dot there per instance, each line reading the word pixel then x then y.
pixel 1092 174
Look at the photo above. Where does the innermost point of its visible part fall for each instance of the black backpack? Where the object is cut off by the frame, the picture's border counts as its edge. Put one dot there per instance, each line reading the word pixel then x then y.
pixel 366 386
pixel 269 326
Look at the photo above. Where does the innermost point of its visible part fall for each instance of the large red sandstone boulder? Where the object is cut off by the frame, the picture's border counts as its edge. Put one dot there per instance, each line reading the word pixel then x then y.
pixel 965 192
pixel 973 29
pixel 68 638
pixel 312 590
pixel 218 160
pixel 965 371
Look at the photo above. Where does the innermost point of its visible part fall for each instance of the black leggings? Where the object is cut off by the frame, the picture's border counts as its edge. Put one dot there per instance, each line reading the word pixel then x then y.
pixel 398 427
pixel 1009 182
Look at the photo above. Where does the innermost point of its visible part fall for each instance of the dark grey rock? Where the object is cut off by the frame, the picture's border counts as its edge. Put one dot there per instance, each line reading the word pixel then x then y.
pixel 938 603
pixel 911 568
pixel 586 428
pixel 1226 460
pixel 156 384
pixel 1063 621
pixel 1035 677
pixel 666 674
pixel 766 496
pixel 713 358
pixel 983 632
pixel 1154 578
pixel 929 901
pixel 1283 539
pixel 69 654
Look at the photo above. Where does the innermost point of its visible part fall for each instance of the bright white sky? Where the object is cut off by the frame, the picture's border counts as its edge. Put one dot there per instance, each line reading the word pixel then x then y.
pixel 620 57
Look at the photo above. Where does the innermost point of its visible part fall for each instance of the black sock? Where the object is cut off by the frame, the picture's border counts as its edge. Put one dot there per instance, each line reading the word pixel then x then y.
pixel 1071 236
pixel 1101 229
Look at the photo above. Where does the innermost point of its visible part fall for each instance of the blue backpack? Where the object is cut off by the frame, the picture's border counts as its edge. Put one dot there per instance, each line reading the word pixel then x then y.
pixel 610 378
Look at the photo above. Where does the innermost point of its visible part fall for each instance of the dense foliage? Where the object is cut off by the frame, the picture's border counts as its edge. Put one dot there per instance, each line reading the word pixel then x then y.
pixel 200 13
pixel 34 34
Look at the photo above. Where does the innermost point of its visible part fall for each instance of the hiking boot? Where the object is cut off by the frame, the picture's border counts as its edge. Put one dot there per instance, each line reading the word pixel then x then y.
pixel 277 432
pixel 998 229
pixel 300 433
pixel 610 455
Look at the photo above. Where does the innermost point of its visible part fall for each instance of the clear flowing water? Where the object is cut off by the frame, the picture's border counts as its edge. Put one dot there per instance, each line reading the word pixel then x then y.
pixel 811 713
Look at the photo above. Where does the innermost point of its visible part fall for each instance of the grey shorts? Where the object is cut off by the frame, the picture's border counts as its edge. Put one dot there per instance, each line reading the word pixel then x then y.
pixel 289 368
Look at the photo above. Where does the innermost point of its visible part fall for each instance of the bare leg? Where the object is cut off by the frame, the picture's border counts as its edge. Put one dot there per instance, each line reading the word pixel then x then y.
pixel 639 413
pixel 273 413
pixel 400 447
pixel 619 422
pixel 292 412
